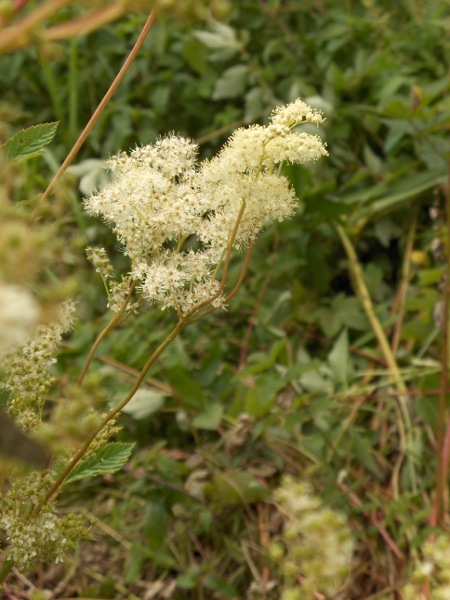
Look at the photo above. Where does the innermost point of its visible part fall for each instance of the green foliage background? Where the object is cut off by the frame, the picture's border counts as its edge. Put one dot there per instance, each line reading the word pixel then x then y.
pixel 295 354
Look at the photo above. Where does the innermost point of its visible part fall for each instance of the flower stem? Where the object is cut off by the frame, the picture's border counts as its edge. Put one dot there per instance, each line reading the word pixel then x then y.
pixel 441 459
pixel 111 325
pixel 93 120
pixel 362 292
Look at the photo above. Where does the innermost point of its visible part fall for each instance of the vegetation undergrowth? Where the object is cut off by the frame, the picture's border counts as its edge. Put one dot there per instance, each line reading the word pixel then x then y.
pixel 296 444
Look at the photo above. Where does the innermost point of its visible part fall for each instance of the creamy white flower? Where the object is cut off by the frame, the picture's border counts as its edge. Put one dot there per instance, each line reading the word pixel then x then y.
pixel 159 199
pixel 27 369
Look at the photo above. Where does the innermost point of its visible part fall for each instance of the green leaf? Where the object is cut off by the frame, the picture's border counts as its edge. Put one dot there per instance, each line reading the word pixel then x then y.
pixel 188 579
pixel 154 524
pixel 232 83
pixel 188 390
pixel 135 564
pixel 196 55
pixel 143 404
pixel 223 41
pixel 216 583
pixel 28 143
pixel 108 459
pixel 235 487
pixel 260 398
pixel 338 358
pixel 210 418
pixel 363 453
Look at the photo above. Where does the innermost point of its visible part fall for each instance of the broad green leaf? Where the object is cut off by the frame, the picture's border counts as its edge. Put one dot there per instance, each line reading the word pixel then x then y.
pixel 329 321
pixel 236 487
pixel 108 459
pixel 350 312
pixel 196 54
pixel 322 209
pixel 92 174
pixel 143 404
pixel 222 40
pixel 404 190
pixel 188 579
pixel 254 105
pixel 232 83
pixel 188 390
pixel 263 361
pixel 210 418
pixel 338 358
pixel 260 398
pixel 154 524
pixel 28 143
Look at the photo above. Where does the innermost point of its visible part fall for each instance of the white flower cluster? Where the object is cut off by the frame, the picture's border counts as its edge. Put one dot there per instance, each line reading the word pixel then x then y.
pixel 316 543
pixel 433 570
pixel 40 538
pixel 27 374
pixel 159 198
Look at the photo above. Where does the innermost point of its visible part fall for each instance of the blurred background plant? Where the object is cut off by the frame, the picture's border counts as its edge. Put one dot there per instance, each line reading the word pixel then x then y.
pixel 300 382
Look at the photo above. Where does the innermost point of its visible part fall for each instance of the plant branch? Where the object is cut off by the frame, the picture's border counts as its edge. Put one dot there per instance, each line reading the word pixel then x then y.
pixel 111 325
pixel 441 459
pixel 114 411
pixel 29 30
pixel 93 120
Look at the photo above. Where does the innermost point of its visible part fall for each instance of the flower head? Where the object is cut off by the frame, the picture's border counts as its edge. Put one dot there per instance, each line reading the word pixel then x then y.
pixel 159 199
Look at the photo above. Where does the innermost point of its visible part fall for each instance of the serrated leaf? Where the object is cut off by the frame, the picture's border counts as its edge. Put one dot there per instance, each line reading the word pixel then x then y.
pixel 108 459
pixel 28 143
pixel 232 83
pixel 210 418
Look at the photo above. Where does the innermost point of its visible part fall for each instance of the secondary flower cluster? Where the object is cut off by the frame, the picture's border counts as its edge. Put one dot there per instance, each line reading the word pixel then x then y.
pixel 27 369
pixel 159 199
pixel 433 571
pixel 316 543
pixel 45 537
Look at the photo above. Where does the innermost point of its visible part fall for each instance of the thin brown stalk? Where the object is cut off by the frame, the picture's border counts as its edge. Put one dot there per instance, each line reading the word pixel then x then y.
pixel 112 413
pixel 26 28
pixel 93 120
pixel 252 320
pixel 403 289
pixel 182 323
pixel 86 24
pixel 235 289
pixel 441 460
pixel 115 321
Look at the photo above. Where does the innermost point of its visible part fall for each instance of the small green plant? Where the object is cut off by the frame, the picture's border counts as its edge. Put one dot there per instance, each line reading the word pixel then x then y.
pixel 178 224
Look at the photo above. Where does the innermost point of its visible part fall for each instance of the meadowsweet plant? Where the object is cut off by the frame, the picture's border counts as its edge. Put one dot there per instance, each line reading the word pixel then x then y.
pixel 315 547
pixel 178 222
pixel 160 198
